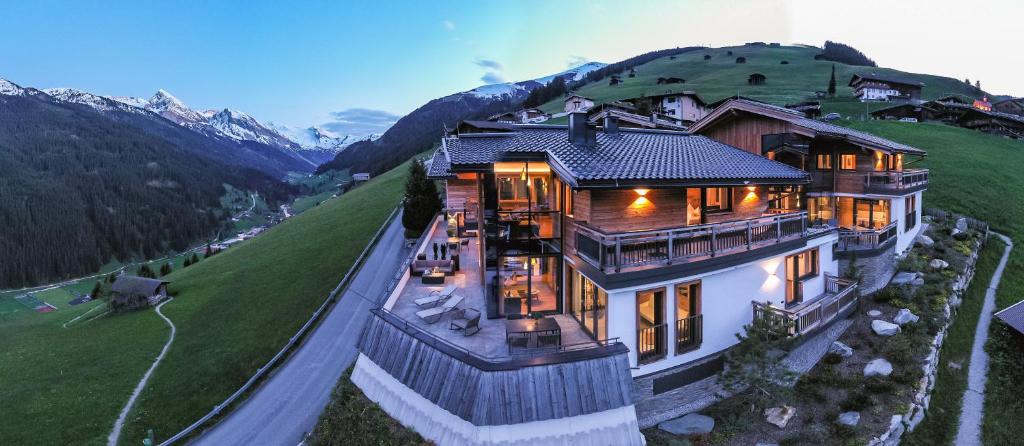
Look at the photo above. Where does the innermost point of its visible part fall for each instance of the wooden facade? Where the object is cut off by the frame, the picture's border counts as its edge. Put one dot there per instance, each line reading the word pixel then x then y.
pixel 746 133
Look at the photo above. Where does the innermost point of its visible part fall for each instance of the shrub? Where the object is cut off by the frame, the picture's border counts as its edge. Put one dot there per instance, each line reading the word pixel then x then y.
pixel 887 294
pixel 832 358
pixel 878 385
pixel 855 401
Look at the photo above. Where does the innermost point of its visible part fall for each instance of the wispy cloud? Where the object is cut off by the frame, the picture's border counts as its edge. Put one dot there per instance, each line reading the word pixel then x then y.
pixel 494 71
pixel 360 121
pixel 448 24
pixel 575 61
pixel 493 78
pixel 489 64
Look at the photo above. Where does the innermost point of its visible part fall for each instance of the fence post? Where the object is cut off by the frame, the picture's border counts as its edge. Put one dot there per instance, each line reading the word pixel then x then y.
pixel 618 254
pixel 749 241
pixel 778 229
pixel 714 241
pixel 668 255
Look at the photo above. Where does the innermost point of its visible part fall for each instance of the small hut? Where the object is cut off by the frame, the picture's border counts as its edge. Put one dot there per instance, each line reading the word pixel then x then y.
pixel 741 59
pixel 134 293
pixel 756 79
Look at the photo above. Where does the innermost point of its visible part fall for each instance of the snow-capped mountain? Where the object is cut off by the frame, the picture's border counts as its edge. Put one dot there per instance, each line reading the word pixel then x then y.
pixel 522 88
pixel 240 126
pixel 97 102
pixel 317 144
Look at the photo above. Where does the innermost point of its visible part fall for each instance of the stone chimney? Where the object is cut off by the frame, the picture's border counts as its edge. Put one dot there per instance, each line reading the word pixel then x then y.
pixel 611 124
pixel 579 131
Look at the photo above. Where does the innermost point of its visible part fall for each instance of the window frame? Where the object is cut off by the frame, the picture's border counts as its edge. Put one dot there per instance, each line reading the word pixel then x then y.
pixel 726 201
pixel 827 164
pixel 844 157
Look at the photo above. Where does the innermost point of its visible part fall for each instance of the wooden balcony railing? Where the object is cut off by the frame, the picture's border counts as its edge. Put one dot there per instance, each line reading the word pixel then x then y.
pixel 865 239
pixel 613 252
pixel 895 181
pixel 839 295
pixel 689 333
pixel 650 343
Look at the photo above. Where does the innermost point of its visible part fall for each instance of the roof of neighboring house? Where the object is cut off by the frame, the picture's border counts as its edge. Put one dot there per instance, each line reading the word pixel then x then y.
pixel 635 119
pixel 883 111
pixel 817 128
pixel 136 286
pixel 629 156
pixel 1013 316
pixel 887 78
pixel 689 93
pixel 488 125
pixel 576 96
pixel 994 114
pixel 719 102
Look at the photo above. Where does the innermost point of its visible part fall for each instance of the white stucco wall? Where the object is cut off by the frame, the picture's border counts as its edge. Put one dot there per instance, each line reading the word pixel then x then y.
pixel 726 297
pixel 898 213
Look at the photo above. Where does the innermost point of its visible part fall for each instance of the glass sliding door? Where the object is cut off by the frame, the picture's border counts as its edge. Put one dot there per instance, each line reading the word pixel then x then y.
pixel 689 323
pixel 589 305
pixel 650 325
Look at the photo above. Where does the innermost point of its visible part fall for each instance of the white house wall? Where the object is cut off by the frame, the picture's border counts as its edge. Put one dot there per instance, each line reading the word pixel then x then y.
pixel 905 240
pixel 726 297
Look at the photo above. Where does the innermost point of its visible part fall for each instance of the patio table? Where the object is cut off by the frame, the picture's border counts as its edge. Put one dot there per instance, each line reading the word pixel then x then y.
pixel 531 328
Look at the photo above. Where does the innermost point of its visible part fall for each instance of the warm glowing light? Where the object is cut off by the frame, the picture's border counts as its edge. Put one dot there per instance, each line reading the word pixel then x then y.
pixel 640 202
pixel 751 188
pixel 771 266
pixel 641 192
pixel 751 194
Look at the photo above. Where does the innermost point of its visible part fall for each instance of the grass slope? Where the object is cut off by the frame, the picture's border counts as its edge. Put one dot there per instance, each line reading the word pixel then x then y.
pixel 235 310
pixel 721 77
pixel 979 175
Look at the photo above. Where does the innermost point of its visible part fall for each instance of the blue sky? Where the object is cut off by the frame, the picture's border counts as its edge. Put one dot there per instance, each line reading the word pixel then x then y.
pixel 316 62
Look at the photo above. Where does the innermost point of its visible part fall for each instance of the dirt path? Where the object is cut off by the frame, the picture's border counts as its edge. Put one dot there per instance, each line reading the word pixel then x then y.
pixel 115 434
pixel 972 409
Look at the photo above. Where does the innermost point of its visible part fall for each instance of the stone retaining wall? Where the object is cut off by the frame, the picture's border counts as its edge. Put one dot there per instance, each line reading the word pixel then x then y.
pixel 874 270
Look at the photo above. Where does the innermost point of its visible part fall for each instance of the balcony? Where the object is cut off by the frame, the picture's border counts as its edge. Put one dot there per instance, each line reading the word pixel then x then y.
pixel 839 297
pixel 614 252
pixel 906 181
pixel 866 239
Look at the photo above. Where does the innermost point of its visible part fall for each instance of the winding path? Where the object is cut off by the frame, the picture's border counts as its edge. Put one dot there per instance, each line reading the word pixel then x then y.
pixel 972 409
pixel 119 424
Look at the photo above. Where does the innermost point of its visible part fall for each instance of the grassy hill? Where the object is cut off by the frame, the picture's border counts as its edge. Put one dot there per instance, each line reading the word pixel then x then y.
pixel 233 312
pixel 721 76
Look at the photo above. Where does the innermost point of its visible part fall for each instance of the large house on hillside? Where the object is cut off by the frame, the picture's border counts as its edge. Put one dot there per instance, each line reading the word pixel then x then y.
pixel 885 87
pixel 685 106
pixel 601 267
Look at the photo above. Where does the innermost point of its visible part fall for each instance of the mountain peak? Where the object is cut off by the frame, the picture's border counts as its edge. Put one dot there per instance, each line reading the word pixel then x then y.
pixel 10 88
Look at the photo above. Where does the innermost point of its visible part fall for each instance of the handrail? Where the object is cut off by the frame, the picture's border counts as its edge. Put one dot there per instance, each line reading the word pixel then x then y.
pixel 818 312
pixel 861 239
pixel 299 336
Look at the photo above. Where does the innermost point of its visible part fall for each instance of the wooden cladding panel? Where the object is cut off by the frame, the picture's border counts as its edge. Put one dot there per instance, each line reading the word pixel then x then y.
pixel 745 204
pixel 581 205
pixel 745 131
pixel 625 210
pixel 460 192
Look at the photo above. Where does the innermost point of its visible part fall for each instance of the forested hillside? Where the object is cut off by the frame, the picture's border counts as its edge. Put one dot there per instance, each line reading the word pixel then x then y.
pixel 78 190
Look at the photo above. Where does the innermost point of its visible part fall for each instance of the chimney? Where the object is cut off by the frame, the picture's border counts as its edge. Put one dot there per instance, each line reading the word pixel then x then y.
pixel 611 124
pixel 578 128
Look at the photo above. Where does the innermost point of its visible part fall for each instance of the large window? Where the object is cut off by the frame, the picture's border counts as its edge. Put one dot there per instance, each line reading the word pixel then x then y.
pixel 799 268
pixel 825 161
pixel 650 325
pixel 820 210
pixel 848 162
pixel 718 199
pixel 589 305
pixel 689 324
pixel 910 206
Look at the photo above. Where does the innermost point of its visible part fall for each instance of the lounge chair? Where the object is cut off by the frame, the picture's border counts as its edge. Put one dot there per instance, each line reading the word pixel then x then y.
pixel 467 320
pixel 432 315
pixel 435 297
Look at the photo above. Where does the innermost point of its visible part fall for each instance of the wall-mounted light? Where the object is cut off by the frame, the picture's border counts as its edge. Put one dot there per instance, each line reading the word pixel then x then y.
pixel 641 192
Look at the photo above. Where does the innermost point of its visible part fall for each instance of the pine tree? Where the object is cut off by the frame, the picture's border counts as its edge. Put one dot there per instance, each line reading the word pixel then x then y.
pixel 421 201
pixel 195 259
pixel 832 82
pixel 145 271
pixel 165 269
pixel 186 263
pixel 208 252
pixel 754 366
pixel 96 291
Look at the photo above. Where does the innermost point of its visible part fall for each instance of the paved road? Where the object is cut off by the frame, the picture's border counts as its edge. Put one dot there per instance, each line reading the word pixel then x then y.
pixel 972 409
pixel 287 405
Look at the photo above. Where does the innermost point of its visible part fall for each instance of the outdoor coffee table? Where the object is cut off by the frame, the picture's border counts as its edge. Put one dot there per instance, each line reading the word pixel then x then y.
pixel 433 277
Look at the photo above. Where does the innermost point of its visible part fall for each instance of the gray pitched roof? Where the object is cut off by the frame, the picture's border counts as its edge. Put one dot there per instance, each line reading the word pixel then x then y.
pixel 1013 316
pixel 136 286
pixel 439 165
pixel 801 120
pixel 890 78
pixel 631 155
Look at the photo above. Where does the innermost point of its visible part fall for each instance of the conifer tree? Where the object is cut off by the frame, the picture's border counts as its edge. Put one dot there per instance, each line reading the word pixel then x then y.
pixel 421 201
pixel 165 269
pixel 754 366
pixel 145 271
pixel 195 258
pixel 96 291
pixel 832 82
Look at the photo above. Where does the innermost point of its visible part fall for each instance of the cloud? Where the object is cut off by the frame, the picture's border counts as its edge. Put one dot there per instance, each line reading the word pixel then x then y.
pixel 448 24
pixel 491 77
pixel 360 121
pixel 491 65
pixel 575 61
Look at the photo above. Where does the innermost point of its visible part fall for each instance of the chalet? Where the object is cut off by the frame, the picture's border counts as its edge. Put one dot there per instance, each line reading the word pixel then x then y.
pixel 1011 106
pixel 525 116
pixel 507 117
pixel 756 79
pixel 577 103
pixel 920 112
pixel 811 109
pixel 956 111
pixel 622 117
pixel 134 293
pixel 361 177
pixel 685 106
pixel 885 87
pixel 1004 124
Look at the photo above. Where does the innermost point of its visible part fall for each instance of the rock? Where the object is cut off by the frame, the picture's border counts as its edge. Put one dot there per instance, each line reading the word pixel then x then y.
pixel 925 241
pixel 883 328
pixel 903 317
pixel 849 418
pixel 690 424
pixel 874 313
pixel 955 365
pixel 955 232
pixel 938 264
pixel 961 224
pixel 917 281
pixel 779 416
pixel 840 349
pixel 903 278
pixel 878 367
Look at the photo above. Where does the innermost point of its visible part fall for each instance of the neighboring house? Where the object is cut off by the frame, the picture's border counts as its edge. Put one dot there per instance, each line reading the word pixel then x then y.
pixel 885 87
pixel 956 111
pixel 577 103
pixel 685 106
pixel 648 251
pixel 608 116
pixel 1011 106
pixel 810 108
pixel 525 116
pixel 860 183
pixel 134 293
pixel 361 177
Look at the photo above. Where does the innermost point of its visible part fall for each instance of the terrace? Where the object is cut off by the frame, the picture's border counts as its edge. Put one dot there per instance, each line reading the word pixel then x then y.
pixel 805 317
pixel 489 343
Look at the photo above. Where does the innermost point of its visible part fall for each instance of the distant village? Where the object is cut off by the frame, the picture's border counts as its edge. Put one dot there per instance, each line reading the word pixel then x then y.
pixel 678 110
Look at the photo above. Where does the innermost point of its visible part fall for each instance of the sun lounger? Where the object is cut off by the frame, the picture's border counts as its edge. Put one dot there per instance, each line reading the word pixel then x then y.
pixel 432 315
pixel 435 297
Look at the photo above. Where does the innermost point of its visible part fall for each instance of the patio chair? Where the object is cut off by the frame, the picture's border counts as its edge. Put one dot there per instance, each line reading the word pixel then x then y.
pixel 466 320
pixel 432 315
pixel 513 308
pixel 435 297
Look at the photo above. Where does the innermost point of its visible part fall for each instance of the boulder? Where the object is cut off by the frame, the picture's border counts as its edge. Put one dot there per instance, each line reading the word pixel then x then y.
pixel 903 278
pixel 874 313
pixel 904 316
pixel 840 349
pixel 849 418
pixel 917 281
pixel 690 424
pixel 938 264
pixel 961 224
pixel 878 367
pixel 883 328
pixel 779 416
pixel 925 241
